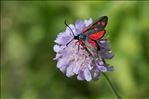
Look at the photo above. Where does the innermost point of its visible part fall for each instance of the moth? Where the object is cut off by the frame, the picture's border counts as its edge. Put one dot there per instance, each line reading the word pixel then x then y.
pixel 90 35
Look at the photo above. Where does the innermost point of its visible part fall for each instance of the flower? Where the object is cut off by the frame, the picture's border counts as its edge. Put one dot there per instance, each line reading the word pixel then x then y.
pixel 74 60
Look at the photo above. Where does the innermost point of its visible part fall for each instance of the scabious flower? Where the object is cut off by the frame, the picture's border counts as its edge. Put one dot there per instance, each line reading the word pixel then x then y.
pixel 75 60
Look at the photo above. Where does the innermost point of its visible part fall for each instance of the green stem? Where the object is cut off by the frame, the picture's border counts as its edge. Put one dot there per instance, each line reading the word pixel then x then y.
pixel 111 86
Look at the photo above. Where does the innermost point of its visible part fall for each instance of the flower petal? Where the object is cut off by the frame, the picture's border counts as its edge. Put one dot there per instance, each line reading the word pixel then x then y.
pixel 77 68
pixel 79 25
pixel 61 63
pixel 110 68
pixel 108 55
pixel 100 62
pixel 63 38
pixel 69 71
pixel 63 69
pixel 57 56
pixel 56 48
pixel 88 22
pixel 96 75
pixel 80 75
pixel 104 45
pixel 87 74
pixel 102 68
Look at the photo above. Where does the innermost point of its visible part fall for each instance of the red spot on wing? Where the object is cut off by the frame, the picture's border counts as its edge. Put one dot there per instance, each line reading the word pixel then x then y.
pixel 103 23
pixel 95 28
pixel 92 43
pixel 97 35
pixel 98 22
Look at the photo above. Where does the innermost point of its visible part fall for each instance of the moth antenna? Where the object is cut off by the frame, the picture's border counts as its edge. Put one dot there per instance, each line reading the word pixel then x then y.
pixel 68 42
pixel 69 27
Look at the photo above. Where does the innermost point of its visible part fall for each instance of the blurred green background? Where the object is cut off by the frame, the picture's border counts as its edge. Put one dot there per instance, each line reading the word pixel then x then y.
pixel 28 31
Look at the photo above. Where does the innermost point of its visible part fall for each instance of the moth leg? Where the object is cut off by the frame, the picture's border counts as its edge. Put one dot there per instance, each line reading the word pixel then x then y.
pixel 78 47
pixel 76 42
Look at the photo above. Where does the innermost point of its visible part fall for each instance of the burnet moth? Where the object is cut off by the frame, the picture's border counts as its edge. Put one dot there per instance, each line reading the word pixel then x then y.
pixel 90 35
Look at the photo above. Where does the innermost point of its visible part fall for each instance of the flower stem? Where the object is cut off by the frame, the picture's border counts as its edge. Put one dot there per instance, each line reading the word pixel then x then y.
pixel 111 86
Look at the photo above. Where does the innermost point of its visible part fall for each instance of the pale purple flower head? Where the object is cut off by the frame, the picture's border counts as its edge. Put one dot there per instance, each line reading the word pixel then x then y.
pixel 72 61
